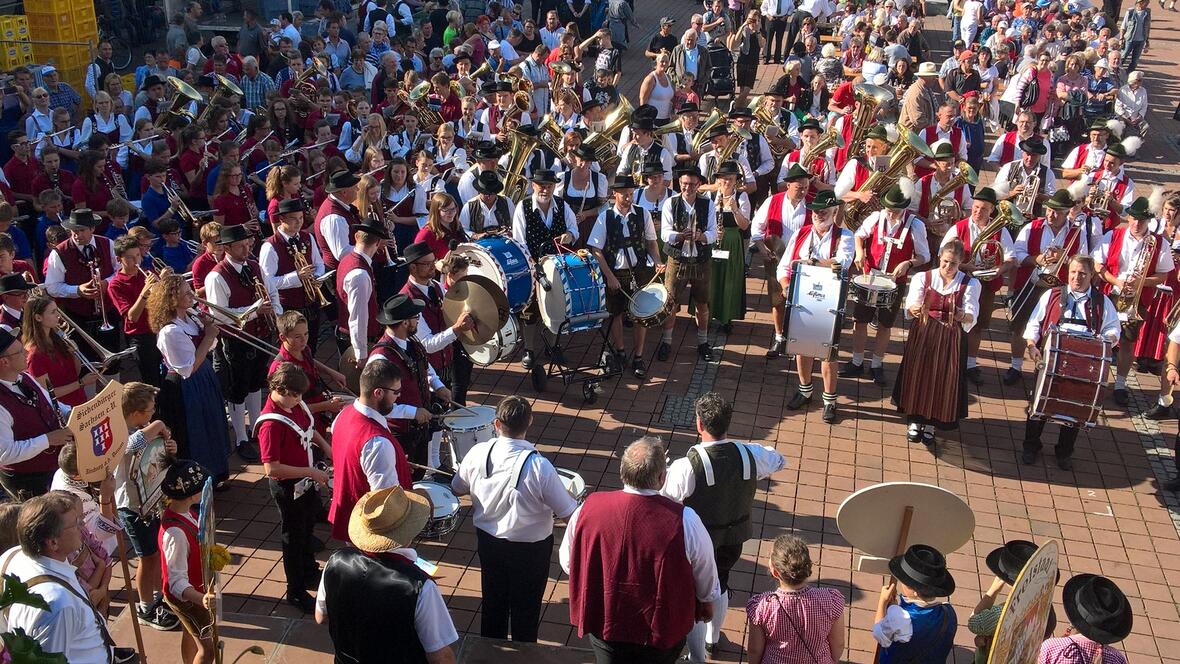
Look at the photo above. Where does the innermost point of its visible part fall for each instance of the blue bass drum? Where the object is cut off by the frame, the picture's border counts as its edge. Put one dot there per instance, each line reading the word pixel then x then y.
pixel 576 299
pixel 504 261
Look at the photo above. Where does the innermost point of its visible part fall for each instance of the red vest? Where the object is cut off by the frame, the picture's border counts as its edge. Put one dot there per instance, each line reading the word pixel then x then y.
pixel 899 254
pixel 1112 263
pixel 1008 146
pixel 195 576
pixel 630 578
pixel 31 418
pixel 10 321
pixel 963 232
pixel 78 273
pixel 332 206
pixel 1111 219
pixel 241 295
pixel 925 186
pixel 860 174
pixel 846 126
pixel 930 135
pixel 415 379
pixel 1083 154
pixel 802 235
pixel 1093 310
pixel 774 215
pixel 1035 231
pixel 295 297
pixel 434 318
pixel 349 435
pixel 354 261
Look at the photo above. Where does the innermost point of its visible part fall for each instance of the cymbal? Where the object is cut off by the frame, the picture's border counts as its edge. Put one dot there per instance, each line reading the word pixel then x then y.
pixel 484 299
pixel 352 375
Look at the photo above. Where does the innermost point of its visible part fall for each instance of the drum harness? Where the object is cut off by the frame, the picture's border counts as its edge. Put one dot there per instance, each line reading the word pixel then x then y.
pixel 305 439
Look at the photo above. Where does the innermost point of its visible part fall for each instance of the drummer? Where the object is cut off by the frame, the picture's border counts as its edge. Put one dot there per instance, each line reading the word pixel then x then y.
pixel 515 494
pixel 891 242
pixel 820 242
pixel 436 336
pixel 540 223
pixel 1077 308
pixel 930 387
pixel 488 211
pixel 626 233
pixel 777 218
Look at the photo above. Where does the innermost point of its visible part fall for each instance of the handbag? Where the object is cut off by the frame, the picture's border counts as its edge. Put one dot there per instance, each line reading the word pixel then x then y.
pixel 1031 91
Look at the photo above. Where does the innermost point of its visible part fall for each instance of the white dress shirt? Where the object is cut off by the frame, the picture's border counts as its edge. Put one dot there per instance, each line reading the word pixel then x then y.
pixel 176 345
pixel 334 228
pixel 1128 192
pixel 767 164
pixel 1074 308
pixel 432 621
pixel 1049 239
pixel 403 411
pixel 433 341
pixel 794 215
pixel 681 481
pixel 1048 179
pixel 847 178
pixel 55 272
pixel 453 155
pixel 358 287
pixel 626 257
pixel 697 546
pixel 467 183
pixel 488 213
pixel 997 152
pixel 1094 157
pixel 917 230
pixel 217 292
pixel 1129 255
pixel 669 234
pixel 933 279
pixel 518 499
pixel 96 123
pixel 708 165
pixel 268 259
pixel 15 313
pixel 519 229
pixel 175 551
pixel 818 247
pixel 637 154
pixel 14 451
pixel 378 455
pixel 69 626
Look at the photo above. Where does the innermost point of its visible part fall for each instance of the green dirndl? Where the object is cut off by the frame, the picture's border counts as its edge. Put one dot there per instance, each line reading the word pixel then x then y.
pixel 727 295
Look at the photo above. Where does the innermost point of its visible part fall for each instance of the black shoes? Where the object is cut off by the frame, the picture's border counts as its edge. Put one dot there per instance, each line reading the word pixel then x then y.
pixel 851 370
pixel 1065 463
pixel 302 601
pixel 798 401
pixel 527 360
pixel 664 351
pixel 248 451
pixel 1029 457
pixel 156 616
pixel 638 368
pixel 878 374
pixel 1159 412
pixel 829 415
pixel 705 352
pixel 1121 396
pixel 975 375
pixel 1012 376
pixel 776 349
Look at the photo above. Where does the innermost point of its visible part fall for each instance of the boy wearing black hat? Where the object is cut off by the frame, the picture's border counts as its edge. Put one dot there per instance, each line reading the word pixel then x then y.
pixel 69 278
pixel 679 142
pixel 356 293
pixel 30 429
pixel 721 138
pixel 688 228
pixel 1015 178
pixel 14 292
pixel 492 121
pixel 1100 616
pixel 757 151
pixel 655 189
pixel 436 336
pixel 642 149
pixel 484 155
pixel 920 627
pixel 291 260
pixel 185 592
pixel 623 240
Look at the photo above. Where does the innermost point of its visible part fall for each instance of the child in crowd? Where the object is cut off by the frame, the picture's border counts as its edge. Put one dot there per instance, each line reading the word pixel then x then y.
pixel 129 288
pixel 295 347
pixel 20 241
pixel 184 587
pixel 203 264
pixel 54 235
pixel 920 627
pixel 286 434
pixel 119 212
pixel 52 214
pixel 171 248
pixel 9 263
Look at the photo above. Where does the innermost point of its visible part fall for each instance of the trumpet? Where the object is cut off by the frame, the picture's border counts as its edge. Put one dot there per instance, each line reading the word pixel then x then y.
pixel 101 305
pixel 68 329
pixel 264 297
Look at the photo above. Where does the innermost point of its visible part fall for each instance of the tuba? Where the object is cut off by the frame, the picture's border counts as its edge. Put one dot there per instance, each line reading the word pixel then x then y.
pixel 669 128
pixel 521 148
pixel 430 118
pixel 551 134
pixel 1127 302
pixel 225 89
pixel 988 254
pixel 766 123
pixel 176 117
pixel 606 143
pixel 868 97
pixel 715 118
pixel 944 210
pixel 908 148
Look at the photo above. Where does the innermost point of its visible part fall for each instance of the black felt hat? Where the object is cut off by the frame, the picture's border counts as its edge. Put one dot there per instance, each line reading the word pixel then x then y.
pixel 923 568
pixel 1097 608
pixel 291 205
pixel 184 478
pixel 13 282
pixel 488 182
pixel 1007 561
pixel 398 308
pixel 416 252
pixel 341 180
pixel 231 234
pixel 81 219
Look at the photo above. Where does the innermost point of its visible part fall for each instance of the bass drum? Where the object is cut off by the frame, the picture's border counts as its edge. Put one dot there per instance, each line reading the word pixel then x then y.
pixel 505 262
pixel 576 299
pixel 499 348
pixel 815 310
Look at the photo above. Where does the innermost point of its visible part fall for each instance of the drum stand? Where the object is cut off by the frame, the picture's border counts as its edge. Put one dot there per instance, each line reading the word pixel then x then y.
pixel 590 375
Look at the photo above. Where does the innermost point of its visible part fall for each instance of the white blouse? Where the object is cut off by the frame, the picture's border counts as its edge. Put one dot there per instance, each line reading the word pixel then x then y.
pixel 176 345
pixel 933 279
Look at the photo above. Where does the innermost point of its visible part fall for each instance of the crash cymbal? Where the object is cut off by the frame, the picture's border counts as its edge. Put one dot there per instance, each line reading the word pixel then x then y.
pixel 484 299
pixel 352 374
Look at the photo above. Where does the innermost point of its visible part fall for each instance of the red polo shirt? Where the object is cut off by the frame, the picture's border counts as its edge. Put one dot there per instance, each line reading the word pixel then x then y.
pixel 277 441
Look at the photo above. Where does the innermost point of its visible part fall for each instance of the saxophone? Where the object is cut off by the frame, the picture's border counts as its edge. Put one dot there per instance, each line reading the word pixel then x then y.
pixel 1127 301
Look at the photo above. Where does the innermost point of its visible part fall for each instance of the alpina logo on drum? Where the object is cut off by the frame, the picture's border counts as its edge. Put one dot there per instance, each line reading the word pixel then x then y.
pixel 817 290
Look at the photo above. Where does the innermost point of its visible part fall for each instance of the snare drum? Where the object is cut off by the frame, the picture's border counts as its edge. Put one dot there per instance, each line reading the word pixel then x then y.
pixel 573 483
pixel 815 303
pixel 499 347
pixel 1071 382
pixel 504 261
pixel 576 299
pixel 469 426
pixel 444 517
pixel 651 305
pixel 875 291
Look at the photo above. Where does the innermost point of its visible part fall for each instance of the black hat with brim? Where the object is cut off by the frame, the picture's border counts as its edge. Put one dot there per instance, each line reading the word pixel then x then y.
pixel 398 308
pixel 486 150
pixel 231 234
pixel 416 252
pixel 488 88
pixel 1097 608
pixel 14 281
pixel 1061 200
pixel 291 205
pixel 643 124
pixel 824 199
pixel 691 171
pixel 151 80
pixel 1034 145
pixel 183 479
pixel 81 219
pixel 740 113
pixel 923 568
pixel 728 168
pixel 341 180
pixel 719 130
pixel 488 182
pixel 651 169
pixel 645 111
pixel 585 153
pixel 688 107
pixel 1007 561
pixel 544 177
pixel 6 340
pixel 373 229
pixel 623 183
pixel 590 105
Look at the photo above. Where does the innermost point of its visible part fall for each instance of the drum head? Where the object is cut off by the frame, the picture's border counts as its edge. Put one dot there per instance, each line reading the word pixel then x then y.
pixel 874 282
pixel 552 303
pixel 470 418
pixel 573 482
pixel 499 347
pixel 483 263
pixel 441 498
pixel 648 301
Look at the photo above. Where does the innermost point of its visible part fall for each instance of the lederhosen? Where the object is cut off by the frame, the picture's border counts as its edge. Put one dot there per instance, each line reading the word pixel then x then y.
pixel 415 365
pixel 637 276
pixel 694 270
pixel 591 199
pixel 502 210
pixel 241 368
pixel 540 241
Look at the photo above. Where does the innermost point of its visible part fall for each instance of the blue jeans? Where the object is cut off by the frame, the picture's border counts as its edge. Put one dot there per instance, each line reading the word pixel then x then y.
pixel 1131 54
pixel 956 33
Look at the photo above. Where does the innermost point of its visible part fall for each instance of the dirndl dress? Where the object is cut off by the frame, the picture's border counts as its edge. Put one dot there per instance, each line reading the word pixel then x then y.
pixel 1152 342
pixel 194 410
pixel 931 383
pixel 727 293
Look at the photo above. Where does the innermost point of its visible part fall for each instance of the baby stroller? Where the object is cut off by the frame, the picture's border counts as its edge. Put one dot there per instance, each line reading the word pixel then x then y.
pixel 720 79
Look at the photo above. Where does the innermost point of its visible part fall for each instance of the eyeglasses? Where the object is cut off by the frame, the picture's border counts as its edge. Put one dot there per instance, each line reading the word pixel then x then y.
pixel 391 390
pixel 43 95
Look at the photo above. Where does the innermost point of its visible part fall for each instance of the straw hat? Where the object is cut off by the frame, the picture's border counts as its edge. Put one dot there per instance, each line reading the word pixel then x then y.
pixel 388 519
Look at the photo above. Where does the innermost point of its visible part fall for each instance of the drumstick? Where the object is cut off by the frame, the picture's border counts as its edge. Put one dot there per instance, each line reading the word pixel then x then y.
pixel 430 470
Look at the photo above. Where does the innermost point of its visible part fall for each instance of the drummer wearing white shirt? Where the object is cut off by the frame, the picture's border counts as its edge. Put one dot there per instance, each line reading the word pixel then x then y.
pixel 623 240
pixel 1077 308
pixel 819 243
pixel 515 493
pixel 775 220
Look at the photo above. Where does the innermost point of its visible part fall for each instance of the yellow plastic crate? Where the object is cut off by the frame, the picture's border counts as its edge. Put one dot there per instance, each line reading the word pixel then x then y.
pixel 10 57
pixel 86 30
pixel 52 27
pixel 75 76
pixel 63 56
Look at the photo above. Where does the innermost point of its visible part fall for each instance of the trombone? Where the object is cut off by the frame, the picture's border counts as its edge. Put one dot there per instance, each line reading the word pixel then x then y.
pixel 67 328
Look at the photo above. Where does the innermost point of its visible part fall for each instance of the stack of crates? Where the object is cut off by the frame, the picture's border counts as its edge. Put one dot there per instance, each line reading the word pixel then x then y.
pixel 64 21
pixel 14 29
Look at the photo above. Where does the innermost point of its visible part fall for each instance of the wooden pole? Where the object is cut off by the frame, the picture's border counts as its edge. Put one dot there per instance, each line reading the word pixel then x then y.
pixel 130 594
pixel 903 533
